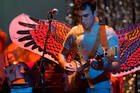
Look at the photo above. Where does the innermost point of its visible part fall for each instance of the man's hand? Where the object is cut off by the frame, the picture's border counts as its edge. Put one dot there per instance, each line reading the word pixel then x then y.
pixel 97 64
pixel 72 66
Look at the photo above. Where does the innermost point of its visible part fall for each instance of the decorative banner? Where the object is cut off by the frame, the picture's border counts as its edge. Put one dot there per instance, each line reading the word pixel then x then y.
pixel 129 39
pixel 30 33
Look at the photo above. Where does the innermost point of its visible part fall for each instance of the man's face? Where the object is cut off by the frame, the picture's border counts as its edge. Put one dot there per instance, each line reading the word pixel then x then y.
pixel 86 17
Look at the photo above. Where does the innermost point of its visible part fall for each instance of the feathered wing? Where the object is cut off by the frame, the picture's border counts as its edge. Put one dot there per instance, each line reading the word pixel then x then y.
pixel 129 53
pixel 30 33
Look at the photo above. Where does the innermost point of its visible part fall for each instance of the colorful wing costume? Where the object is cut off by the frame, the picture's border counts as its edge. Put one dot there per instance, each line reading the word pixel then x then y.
pixel 30 33
pixel 129 40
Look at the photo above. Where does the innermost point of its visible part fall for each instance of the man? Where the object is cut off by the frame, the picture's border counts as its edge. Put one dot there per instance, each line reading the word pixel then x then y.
pixel 83 43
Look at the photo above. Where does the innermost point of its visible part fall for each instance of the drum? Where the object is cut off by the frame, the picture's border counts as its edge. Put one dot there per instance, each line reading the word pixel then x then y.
pixel 20 88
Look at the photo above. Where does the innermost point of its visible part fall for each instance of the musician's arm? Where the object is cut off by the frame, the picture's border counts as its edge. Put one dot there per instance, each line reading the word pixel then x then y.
pixel 64 59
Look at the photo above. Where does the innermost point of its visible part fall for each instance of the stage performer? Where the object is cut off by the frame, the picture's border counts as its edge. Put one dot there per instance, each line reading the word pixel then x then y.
pixel 91 52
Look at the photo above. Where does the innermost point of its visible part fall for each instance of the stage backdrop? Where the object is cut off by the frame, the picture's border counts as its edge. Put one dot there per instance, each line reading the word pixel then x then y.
pixel 36 8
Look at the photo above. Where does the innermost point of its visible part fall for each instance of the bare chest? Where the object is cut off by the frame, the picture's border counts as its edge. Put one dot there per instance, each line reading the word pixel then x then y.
pixel 86 43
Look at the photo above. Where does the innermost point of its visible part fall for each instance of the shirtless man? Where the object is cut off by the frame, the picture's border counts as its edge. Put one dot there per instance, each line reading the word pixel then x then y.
pixel 79 47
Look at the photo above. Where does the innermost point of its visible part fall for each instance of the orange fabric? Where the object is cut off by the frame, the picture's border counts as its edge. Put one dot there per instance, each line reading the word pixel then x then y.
pixel 3 36
pixel 116 83
pixel 21 54
pixel 103 37
pixel 30 64
pixel 3 40
pixel 18 81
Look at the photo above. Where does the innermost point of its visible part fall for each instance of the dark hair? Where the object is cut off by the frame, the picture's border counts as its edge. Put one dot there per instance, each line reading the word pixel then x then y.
pixel 82 5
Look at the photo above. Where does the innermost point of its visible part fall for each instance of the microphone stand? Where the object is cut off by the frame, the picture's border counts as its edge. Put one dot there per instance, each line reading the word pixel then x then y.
pixel 42 68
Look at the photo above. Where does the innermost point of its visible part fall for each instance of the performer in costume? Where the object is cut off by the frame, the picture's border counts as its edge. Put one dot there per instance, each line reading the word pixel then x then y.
pixel 91 50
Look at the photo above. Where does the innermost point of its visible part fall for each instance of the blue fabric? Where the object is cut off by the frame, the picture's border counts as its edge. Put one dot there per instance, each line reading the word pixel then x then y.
pixel 98 90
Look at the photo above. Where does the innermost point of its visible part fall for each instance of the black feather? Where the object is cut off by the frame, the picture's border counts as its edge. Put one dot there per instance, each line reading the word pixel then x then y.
pixel 29 43
pixel 34 46
pixel 40 49
pixel 34 19
pixel 29 37
pixel 23 32
pixel 27 25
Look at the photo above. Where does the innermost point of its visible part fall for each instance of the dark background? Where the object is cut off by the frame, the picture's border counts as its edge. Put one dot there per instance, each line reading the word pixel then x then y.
pixel 118 14
pixel 9 9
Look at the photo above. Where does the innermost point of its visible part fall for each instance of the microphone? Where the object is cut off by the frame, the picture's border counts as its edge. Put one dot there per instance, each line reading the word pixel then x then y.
pixel 54 11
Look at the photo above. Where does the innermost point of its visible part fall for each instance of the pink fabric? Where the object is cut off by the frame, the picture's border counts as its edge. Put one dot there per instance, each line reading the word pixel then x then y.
pixel 30 64
pixel 30 33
